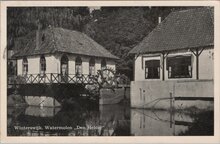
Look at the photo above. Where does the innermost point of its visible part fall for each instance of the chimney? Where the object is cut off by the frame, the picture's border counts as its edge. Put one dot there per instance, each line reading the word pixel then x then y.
pixel 38 35
pixel 159 19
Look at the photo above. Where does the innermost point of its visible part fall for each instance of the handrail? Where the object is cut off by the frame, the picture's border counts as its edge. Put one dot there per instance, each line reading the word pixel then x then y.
pixel 54 78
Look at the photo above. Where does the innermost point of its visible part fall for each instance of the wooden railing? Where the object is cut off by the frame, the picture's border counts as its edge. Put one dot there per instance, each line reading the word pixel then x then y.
pixel 53 78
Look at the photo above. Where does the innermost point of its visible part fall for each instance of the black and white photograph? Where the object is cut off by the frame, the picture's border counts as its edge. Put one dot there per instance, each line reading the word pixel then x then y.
pixel 110 71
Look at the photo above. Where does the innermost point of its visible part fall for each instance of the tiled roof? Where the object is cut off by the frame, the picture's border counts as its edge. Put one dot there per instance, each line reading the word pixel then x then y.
pixel 185 29
pixel 60 40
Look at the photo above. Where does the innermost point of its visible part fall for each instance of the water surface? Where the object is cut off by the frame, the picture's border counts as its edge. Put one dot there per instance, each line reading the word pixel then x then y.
pixel 107 120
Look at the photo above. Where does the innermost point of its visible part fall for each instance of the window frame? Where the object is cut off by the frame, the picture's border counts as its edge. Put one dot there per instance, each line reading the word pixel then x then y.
pixel 187 63
pixel 64 61
pixel 78 65
pixel 43 64
pixel 147 69
pixel 64 68
pixel 92 66
pixel 24 66
pixel 103 64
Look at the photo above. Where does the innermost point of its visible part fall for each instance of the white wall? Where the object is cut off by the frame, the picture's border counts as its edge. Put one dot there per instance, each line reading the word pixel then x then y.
pixel 71 63
pixel 34 64
pixel 206 65
pixel 85 64
pixel 139 72
pixel 19 66
pixel 53 64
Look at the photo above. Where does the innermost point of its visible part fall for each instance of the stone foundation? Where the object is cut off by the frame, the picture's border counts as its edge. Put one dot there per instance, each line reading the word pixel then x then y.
pixel 156 94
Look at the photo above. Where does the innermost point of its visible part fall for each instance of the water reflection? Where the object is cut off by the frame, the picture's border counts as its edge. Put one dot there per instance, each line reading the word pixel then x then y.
pixel 162 123
pixel 107 120
pixel 42 111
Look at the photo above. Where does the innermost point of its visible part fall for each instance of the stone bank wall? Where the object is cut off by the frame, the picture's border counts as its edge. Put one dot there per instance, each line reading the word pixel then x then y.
pixel 148 94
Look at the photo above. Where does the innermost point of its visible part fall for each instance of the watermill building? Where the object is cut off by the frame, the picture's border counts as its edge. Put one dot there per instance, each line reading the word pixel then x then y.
pixel 55 64
pixel 60 55
pixel 176 59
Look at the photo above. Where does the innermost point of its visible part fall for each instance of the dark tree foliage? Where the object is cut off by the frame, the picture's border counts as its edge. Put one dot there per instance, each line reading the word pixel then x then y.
pixel 118 29
pixel 22 20
pixel 203 124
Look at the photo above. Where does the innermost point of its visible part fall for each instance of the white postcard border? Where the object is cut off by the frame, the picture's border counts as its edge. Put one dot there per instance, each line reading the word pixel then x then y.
pixel 115 139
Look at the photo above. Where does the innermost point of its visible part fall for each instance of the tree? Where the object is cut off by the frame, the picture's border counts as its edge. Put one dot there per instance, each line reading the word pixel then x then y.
pixel 23 20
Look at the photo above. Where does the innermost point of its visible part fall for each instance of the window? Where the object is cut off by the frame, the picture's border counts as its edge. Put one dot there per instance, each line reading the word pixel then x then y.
pixel 64 68
pixel 42 65
pixel 179 67
pixel 10 68
pixel 103 64
pixel 152 69
pixel 92 66
pixel 64 65
pixel 78 66
pixel 25 66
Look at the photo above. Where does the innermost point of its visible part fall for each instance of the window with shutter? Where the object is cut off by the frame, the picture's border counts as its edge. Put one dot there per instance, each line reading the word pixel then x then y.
pixel 78 66
pixel 25 66
pixel 42 65
pixel 152 69
pixel 92 66
pixel 179 67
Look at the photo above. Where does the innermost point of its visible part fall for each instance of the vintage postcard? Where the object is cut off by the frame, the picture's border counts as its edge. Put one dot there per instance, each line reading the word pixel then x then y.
pixel 110 71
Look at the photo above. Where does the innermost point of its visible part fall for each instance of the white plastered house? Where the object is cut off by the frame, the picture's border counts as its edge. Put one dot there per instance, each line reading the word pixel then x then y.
pixel 61 51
